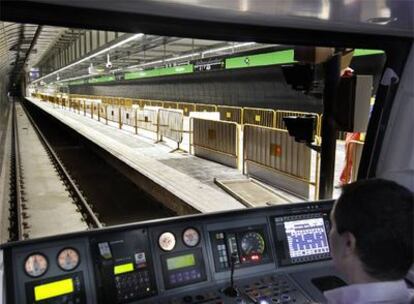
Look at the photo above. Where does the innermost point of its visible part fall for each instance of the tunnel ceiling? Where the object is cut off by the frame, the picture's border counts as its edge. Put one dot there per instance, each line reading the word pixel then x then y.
pixel 51 49
pixel 23 45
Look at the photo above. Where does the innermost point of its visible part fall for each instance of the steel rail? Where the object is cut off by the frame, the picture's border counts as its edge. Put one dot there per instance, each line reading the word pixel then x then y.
pixel 16 220
pixel 87 212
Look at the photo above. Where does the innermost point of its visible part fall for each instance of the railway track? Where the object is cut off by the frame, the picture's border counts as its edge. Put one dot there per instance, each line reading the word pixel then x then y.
pixel 19 217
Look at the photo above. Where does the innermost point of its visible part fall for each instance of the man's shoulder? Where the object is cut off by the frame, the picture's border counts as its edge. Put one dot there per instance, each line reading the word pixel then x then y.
pixel 378 292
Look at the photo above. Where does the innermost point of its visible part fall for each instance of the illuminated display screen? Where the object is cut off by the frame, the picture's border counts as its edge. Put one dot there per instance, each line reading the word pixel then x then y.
pixel 181 261
pixel 119 269
pixel 306 237
pixel 50 290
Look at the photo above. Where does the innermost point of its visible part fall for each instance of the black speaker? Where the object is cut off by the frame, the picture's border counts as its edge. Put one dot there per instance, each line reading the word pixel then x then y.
pixel 301 128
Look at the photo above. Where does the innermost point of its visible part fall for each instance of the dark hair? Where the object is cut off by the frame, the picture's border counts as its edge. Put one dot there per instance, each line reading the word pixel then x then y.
pixel 379 213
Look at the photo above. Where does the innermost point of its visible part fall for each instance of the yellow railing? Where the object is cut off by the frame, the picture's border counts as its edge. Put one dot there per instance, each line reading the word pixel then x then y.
pixel 259 116
pixel 186 107
pixel 230 113
pixel 273 149
pixel 216 140
pixel 170 104
pixel 265 146
pixel 200 107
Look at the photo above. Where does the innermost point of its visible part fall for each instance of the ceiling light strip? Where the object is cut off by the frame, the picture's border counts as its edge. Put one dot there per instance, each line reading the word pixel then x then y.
pixel 133 37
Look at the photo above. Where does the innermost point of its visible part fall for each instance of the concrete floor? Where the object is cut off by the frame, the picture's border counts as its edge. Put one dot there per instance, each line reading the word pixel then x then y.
pixel 50 209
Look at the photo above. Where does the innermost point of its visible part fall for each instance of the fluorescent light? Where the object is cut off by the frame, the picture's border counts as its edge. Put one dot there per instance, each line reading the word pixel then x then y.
pixel 133 37
pixel 182 57
pixel 162 61
pixel 193 55
pixel 140 66
pixel 230 47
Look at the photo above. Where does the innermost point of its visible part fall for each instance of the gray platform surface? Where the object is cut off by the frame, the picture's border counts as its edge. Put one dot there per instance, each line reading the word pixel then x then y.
pixel 188 177
pixel 253 193
pixel 50 209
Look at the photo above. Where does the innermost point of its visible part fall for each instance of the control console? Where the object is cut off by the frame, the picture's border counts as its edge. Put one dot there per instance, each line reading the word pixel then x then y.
pixel 123 266
pixel 250 247
pixel 277 254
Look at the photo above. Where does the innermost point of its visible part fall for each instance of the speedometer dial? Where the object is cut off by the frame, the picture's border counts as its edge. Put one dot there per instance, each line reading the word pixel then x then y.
pixel 68 259
pixel 35 265
pixel 252 243
pixel 167 241
pixel 191 237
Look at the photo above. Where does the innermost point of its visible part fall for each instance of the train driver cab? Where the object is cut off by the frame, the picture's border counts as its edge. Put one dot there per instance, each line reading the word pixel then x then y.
pixel 274 253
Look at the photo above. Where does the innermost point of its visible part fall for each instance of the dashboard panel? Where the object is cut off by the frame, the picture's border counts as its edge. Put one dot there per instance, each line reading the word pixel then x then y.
pixel 267 255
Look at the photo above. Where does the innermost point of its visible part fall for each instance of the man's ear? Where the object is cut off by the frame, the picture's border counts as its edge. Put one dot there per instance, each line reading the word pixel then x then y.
pixel 349 243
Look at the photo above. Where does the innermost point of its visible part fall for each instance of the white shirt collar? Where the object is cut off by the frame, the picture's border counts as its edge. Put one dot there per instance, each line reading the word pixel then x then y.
pixel 381 292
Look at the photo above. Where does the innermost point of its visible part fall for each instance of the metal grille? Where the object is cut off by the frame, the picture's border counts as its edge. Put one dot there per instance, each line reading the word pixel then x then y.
pixel 260 117
pixel 170 104
pixel 186 107
pixel 128 116
pixel 215 135
pixel 228 113
pixel 147 119
pixel 171 124
pixel 156 103
pixel 274 148
pixel 199 107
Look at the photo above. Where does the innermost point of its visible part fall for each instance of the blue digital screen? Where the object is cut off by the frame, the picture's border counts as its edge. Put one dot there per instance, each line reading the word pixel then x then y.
pixel 306 237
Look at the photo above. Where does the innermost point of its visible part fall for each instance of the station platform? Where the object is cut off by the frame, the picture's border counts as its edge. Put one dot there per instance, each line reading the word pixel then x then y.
pixel 48 206
pixel 191 179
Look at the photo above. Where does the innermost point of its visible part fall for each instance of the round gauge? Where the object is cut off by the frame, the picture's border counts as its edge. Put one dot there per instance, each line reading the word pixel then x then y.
pixel 166 241
pixel 252 243
pixel 68 259
pixel 35 265
pixel 191 237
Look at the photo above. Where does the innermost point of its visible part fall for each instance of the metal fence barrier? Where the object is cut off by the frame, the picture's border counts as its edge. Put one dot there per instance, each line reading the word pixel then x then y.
pixel 170 104
pixel 200 107
pixel 94 110
pixel 273 156
pixel 128 102
pixel 356 158
pixel 145 102
pixel 147 119
pixel 259 117
pixel 103 112
pixel 112 113
pixel 137 102
pixel 128 116
pixel 230 113
pixel 88 107
pixel 216 140
pixel 186 107
pixel 171 123
pixel 156 103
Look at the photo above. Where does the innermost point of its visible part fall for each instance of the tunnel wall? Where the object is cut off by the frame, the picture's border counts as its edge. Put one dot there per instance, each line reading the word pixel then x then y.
pixel 252 87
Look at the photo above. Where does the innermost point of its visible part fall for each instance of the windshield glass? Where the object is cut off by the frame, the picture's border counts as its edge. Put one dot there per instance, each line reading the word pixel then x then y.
pixel 133 127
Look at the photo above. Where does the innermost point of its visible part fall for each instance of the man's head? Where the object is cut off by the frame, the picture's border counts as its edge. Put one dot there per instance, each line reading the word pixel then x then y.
pixel 372 231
